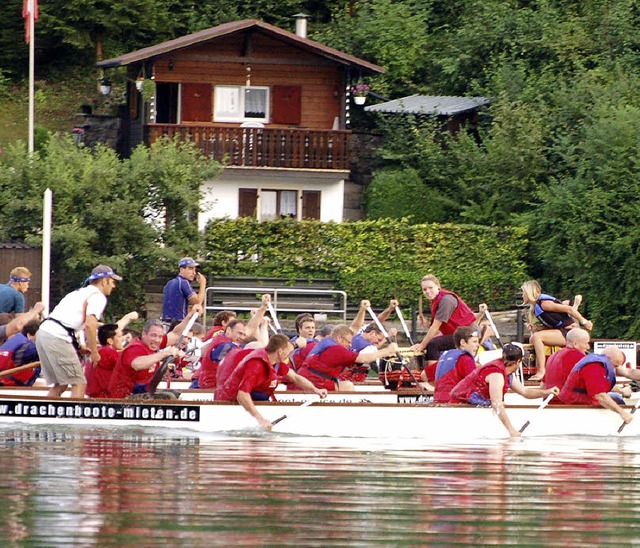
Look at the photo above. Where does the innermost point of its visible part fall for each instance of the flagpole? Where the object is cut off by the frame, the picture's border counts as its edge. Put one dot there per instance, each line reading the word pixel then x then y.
pixel 46 249
pixel 32 64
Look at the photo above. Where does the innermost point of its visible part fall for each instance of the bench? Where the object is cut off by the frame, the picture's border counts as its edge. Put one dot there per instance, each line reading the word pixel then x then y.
pixel 286 299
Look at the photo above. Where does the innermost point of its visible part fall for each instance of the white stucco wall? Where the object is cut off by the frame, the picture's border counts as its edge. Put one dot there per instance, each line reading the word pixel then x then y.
pixel 221 194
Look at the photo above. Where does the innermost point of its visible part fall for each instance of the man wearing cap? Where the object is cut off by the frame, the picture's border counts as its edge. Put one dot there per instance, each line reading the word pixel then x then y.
pixel 178 294
pixel 12 294
pixel 57 341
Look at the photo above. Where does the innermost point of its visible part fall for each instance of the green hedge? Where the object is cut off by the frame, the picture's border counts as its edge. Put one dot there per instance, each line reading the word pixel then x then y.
pixel 377 259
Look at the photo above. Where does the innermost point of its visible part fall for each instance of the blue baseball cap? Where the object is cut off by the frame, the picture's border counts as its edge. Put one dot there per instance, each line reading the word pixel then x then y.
pixel 187 261
pixel 101 271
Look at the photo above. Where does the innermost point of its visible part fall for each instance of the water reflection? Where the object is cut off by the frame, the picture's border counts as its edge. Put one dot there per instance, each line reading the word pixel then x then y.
pixel 75 485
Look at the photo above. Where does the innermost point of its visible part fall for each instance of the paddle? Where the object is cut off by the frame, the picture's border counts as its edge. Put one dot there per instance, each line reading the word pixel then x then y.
pixel 542 406
pixel 635 408
pixel 272 311
pixel 305 404
pixel 404 325
pixel 19 368
pixel 493 327
pixel 157 376
pixel 400 357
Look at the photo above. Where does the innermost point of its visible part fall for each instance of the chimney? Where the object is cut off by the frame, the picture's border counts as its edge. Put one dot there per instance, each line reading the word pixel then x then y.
pixel 301 24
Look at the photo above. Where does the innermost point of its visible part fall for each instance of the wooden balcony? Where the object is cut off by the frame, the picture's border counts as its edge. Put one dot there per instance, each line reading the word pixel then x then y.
pixel 264 147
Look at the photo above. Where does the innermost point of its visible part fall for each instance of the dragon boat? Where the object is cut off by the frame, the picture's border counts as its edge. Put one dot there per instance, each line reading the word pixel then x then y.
pixel 314 417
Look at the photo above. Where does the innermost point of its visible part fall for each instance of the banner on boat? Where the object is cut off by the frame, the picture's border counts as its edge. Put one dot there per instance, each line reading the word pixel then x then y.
pixel 107 411
pixel 627 347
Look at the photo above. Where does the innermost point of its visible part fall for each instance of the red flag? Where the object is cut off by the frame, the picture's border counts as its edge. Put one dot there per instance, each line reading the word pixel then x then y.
pixel 29 7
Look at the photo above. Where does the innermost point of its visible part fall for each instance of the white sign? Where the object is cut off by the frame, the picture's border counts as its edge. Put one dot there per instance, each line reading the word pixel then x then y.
pixel 628 347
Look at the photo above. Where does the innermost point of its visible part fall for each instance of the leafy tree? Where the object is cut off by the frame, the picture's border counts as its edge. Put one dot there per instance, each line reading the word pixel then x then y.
pixel 106 210
pixel 585 228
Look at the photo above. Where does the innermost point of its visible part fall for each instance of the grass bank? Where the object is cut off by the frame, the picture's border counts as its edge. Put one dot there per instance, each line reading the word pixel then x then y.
pixel 58 103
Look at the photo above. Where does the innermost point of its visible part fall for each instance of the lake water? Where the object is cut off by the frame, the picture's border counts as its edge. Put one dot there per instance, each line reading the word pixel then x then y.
pixel 92 487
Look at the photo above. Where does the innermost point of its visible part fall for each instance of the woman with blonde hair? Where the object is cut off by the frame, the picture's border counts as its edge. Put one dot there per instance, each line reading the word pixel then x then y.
pixel 448 312
pixel 556 317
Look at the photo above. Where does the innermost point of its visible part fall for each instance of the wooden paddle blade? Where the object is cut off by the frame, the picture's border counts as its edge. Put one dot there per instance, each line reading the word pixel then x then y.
pixel 635 408
pixel 158 375
pixel 279 419
pixel 18 369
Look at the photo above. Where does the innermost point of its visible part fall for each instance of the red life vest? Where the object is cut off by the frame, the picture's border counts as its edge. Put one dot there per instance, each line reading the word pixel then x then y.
pixel 474 388
pixel 213 332
pixel 230 362
pixel 266 382
pixel 559 366
pixel 448 372
pixel 461 316
pixel 574 392
pixel 208 371
pixel 21 378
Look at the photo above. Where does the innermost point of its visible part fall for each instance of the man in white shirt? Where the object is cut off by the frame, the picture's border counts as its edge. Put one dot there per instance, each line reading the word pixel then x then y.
pixel 57 341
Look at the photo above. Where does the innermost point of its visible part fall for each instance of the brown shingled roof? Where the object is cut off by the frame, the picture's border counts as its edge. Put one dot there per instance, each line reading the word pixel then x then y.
pixel 159 50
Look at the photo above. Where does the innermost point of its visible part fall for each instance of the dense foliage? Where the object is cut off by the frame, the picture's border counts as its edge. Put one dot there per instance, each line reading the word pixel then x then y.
pixel 106 210
pixel 555 151
pixel 376 260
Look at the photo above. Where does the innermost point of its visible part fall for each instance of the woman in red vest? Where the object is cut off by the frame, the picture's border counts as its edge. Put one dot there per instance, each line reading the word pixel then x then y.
pixel 448 312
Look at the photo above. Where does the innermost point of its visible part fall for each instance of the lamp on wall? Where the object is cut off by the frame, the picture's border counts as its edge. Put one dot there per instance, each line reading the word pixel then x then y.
pixel 105 85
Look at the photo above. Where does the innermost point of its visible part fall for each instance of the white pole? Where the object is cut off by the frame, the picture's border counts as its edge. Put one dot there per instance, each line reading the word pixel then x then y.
pixel 32 64
pixel 46 249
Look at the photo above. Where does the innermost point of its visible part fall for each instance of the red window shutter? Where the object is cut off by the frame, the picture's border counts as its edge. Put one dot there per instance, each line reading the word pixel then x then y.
pixel 247 202
pixel 311 204
pixel 286 105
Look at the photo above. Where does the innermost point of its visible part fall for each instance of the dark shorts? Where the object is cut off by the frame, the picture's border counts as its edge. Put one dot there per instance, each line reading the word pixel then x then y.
pixel 437 346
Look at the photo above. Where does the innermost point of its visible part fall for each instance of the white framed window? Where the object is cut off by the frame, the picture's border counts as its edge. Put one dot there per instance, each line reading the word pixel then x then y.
pixel 278 204
pixel 241 104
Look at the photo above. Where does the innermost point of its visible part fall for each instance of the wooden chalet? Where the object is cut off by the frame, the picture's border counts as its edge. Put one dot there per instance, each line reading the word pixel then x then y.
pixel 271 105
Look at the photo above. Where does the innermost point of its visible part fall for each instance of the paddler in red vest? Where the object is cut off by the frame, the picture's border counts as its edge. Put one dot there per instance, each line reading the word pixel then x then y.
pixel 137 363
pixel 592 380
pixel 454 365
pixel 255 378
pixel 560 363
pixel 220 321
pixel 235 333
pixel 448 312
pixel 332 356
pixel 487 385
pixel 305 339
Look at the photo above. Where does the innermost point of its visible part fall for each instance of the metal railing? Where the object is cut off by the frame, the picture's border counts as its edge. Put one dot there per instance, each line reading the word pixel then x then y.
pixel 280 301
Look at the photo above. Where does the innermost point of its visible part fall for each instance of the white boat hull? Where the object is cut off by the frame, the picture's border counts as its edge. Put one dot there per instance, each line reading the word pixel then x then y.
pixel 350 420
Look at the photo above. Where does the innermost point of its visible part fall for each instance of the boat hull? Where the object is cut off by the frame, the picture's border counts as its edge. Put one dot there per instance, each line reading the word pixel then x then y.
pixel 349 420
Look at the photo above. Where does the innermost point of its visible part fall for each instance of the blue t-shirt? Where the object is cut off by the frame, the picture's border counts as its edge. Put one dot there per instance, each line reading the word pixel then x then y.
pixel 11 300
pixel 175 298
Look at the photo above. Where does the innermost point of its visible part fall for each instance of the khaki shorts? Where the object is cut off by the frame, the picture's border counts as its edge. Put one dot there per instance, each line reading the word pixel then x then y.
pixel 59 360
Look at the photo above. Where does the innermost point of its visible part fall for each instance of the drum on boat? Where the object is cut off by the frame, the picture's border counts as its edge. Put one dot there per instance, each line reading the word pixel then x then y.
pixel 392 373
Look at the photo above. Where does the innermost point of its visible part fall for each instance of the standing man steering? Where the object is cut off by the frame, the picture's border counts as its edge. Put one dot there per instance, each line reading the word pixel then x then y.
pixel 178 294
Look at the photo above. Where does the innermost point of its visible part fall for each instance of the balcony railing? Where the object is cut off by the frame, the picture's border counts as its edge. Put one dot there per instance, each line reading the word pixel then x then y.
pixel 264 147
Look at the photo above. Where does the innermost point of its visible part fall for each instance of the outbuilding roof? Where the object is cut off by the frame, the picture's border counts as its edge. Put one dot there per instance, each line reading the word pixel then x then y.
pixel 226 29
pixel 14 244
pixel 440 105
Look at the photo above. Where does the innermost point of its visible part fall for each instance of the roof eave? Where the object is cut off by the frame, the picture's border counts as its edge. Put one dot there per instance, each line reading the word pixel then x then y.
pixel 154 52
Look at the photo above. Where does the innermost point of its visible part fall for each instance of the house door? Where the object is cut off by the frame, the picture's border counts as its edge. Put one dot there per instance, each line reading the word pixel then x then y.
pixel 166 103
pixel 197 103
